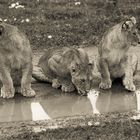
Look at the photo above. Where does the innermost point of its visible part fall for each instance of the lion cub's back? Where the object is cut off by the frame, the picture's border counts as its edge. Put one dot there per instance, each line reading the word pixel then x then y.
pixel 43 61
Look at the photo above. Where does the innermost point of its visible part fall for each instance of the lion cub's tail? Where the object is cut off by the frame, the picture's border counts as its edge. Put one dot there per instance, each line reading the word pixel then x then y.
pixel 39 75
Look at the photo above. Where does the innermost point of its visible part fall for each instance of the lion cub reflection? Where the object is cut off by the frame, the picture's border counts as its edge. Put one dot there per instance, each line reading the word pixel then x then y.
pixel 15 62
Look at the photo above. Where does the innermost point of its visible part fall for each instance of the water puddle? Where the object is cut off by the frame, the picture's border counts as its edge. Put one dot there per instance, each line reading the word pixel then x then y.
pixel 51 103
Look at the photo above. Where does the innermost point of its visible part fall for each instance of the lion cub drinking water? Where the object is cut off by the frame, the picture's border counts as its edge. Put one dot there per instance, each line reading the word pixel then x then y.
pixel 115 59
pixel 15 62
pixel 67 68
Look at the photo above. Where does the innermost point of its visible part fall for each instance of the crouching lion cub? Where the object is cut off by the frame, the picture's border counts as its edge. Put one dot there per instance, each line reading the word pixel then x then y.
pixel 15 62
pixel 65 67
pixel 115 59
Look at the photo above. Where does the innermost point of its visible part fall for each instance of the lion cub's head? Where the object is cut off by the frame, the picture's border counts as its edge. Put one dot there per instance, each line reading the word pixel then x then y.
pixel 130 31
pixel 81 72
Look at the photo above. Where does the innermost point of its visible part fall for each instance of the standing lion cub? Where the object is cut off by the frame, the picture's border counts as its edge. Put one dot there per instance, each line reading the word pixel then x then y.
pixel 15 62
pixel 115 59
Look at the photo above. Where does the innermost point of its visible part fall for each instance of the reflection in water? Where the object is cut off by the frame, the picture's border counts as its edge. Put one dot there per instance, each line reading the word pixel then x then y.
pixel 50 103
pixel 116 99
pixel 66 105
pixel 6 110
pixel 138 100
pixel 105 101
pixel 38 112
pixel 93 96
pixel 137 117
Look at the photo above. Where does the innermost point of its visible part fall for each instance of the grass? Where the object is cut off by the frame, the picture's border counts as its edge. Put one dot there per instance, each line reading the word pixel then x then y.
pixel 112 126
pixel 68 23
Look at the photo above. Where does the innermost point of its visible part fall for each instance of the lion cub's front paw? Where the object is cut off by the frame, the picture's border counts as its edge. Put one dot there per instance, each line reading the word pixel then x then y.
pixel 7 93
pixel 69 88
pixel 129 85
pixel 55 83
pixel 28 92
pixel 105 84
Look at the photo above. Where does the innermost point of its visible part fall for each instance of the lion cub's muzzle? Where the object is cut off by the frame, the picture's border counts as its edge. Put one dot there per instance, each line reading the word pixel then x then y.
pixel 82 84
pixel 83 92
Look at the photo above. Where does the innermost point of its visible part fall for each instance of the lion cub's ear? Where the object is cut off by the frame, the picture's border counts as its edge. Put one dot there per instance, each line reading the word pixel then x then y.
pixel 1 29
pixel 128 24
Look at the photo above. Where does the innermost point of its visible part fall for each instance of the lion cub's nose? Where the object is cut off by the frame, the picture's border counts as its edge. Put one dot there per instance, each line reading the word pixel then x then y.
pixel 82 80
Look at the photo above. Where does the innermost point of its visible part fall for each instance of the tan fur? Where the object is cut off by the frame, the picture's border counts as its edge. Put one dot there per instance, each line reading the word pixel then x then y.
pixel 68 68
pixel 16 62
pixel 115 59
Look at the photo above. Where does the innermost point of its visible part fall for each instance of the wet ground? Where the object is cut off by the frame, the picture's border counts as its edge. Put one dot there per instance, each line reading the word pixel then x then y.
pixel 51 103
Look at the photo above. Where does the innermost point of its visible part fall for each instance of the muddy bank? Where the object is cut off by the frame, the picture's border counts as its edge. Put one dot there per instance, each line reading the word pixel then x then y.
pixel 105 127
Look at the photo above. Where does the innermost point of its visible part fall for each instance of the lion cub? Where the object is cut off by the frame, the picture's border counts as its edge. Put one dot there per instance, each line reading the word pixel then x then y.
pixel 115 59
pixel 15 61
pixel 68 68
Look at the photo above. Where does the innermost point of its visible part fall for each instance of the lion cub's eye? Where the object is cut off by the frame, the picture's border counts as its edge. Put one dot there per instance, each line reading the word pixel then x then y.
pixel 134 34
pixel 73 70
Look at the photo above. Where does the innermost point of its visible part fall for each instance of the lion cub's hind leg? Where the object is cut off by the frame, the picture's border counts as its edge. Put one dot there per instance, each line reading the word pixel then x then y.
pixel 18 89
pixel 16 75
pixel 130 68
